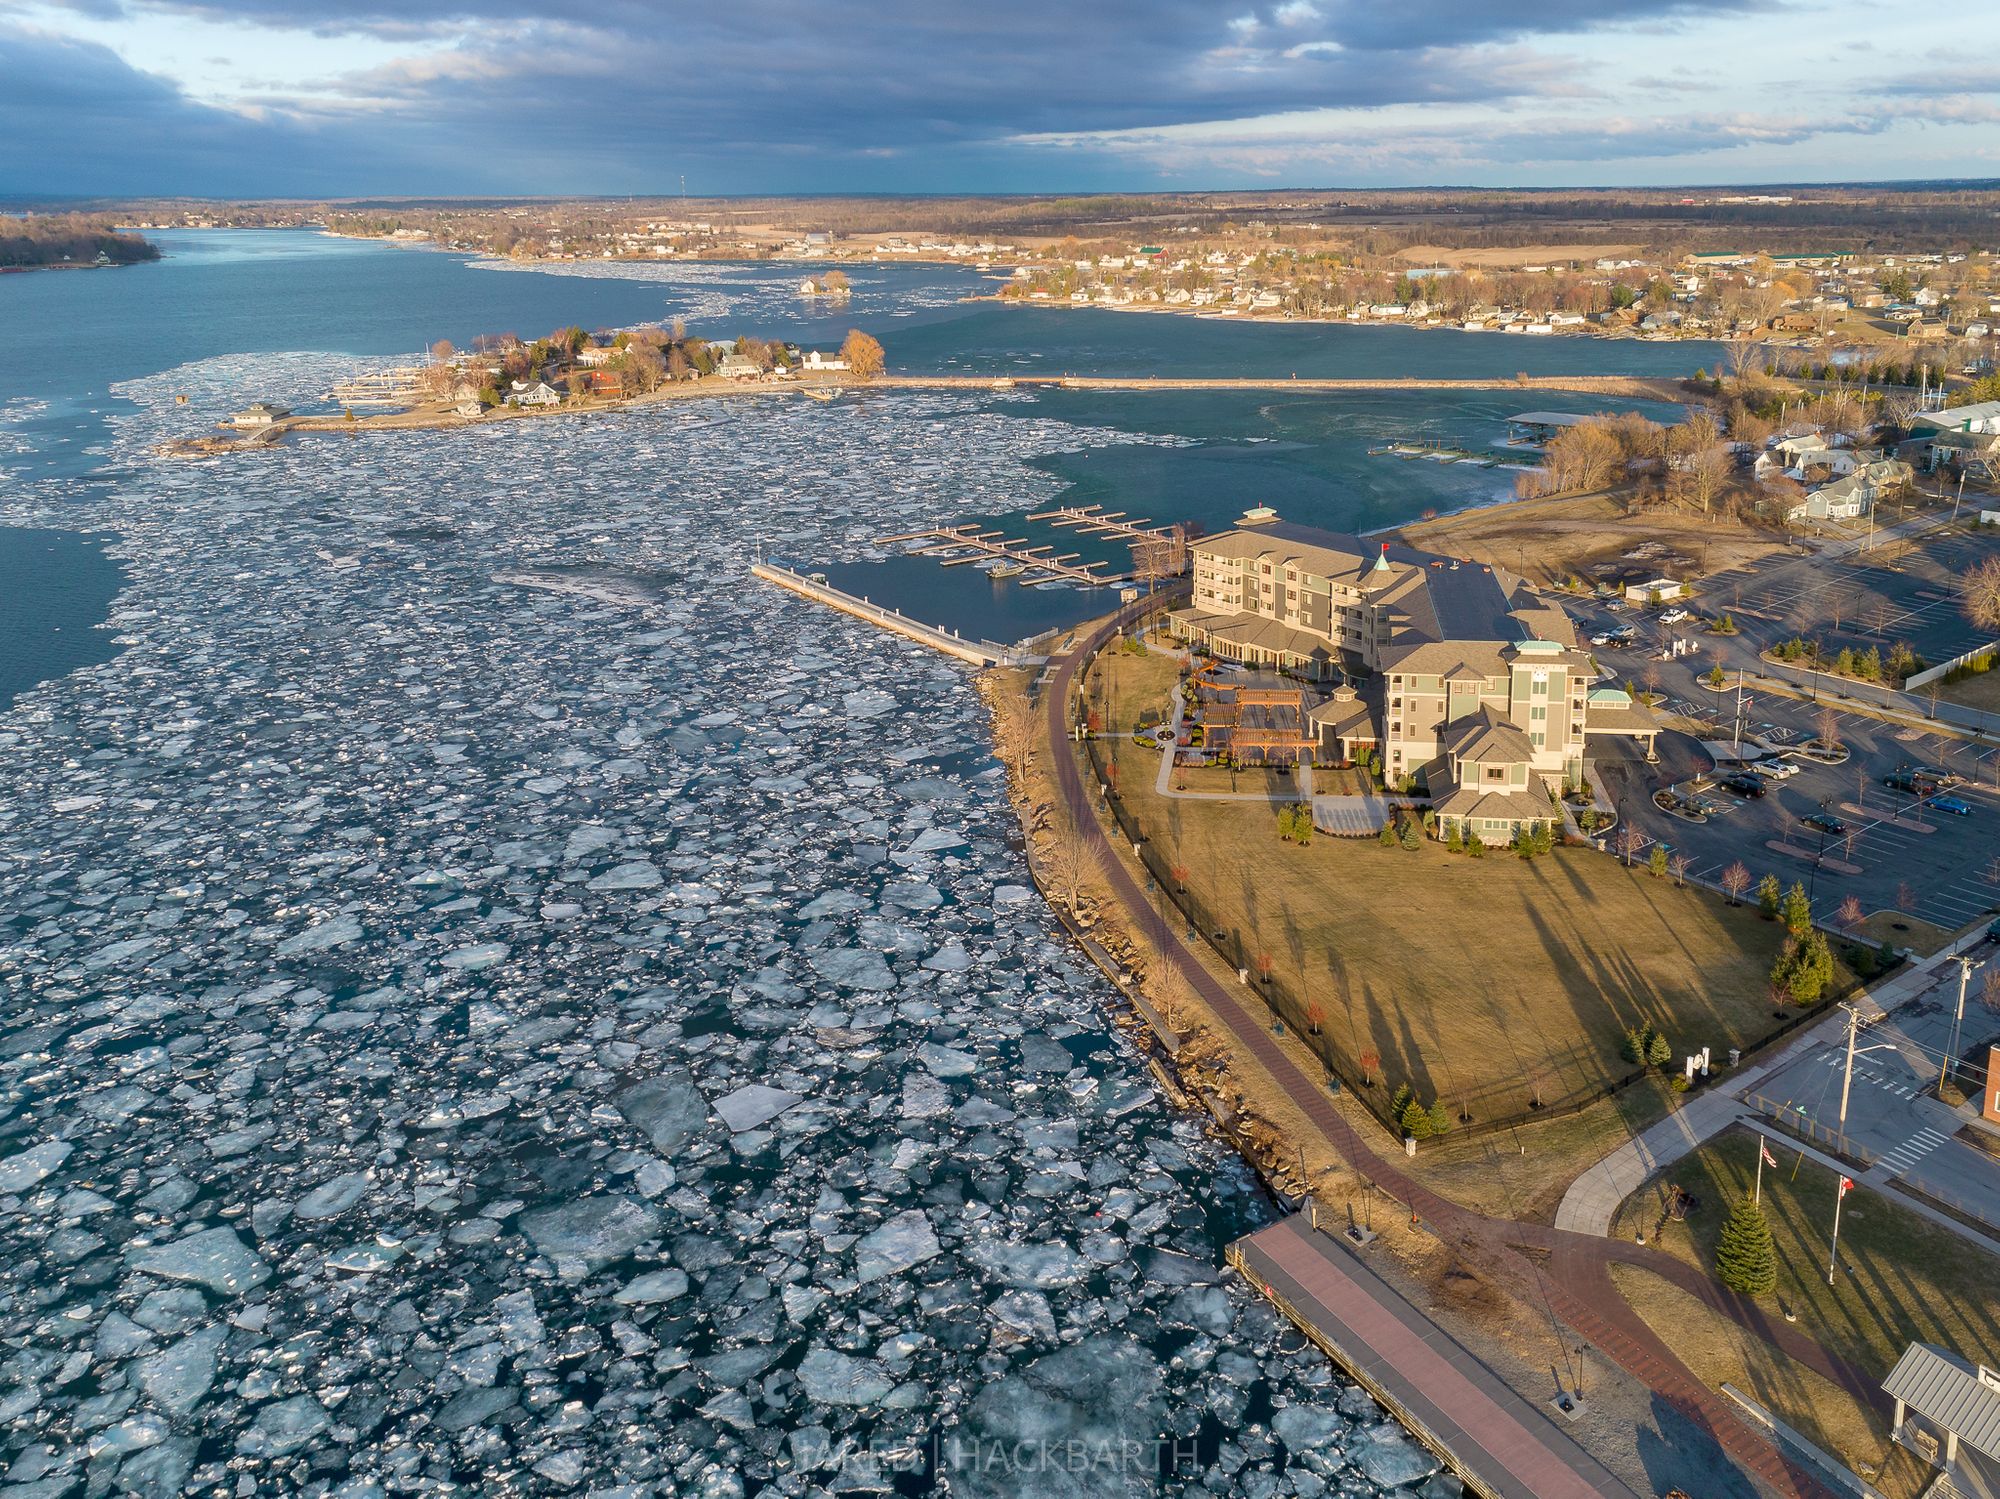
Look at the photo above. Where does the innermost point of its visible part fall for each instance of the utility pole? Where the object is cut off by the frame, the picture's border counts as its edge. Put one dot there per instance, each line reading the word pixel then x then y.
pixel 1965 967
pixel 1847 1076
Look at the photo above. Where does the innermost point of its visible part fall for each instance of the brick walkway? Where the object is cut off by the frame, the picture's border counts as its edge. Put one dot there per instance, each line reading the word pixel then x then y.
pixel 1574 1273
pixel 1434 1383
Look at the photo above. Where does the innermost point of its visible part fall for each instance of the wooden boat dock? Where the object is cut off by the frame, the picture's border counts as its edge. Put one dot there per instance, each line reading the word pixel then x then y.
pixel 816 588
pixel 985 544
pixel 1496 1443
pixel 1095 520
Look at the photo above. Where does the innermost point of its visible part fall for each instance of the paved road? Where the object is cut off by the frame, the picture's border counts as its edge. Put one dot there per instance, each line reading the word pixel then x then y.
pixel 1574 1277
pixel 1892 1112
pixel 1797 1074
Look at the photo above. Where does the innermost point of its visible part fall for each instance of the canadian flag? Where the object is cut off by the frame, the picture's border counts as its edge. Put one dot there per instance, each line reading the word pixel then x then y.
pixel 1765 1151
pixel 1846 1185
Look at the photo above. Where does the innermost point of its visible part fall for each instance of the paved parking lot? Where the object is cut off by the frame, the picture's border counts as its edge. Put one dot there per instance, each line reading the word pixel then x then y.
pixel 1874 598
pixel 1947 876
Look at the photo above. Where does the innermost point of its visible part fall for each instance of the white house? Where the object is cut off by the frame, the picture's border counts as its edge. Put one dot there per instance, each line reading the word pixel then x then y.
pixel 259 414
pixel 734 366
pixel 541 393
pixel 815 360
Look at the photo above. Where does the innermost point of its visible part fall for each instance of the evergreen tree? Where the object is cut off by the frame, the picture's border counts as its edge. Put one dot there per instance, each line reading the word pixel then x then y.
pixel 1413 834
pixel 1452 841
pixel 1441 1120
pixel 1634 1046
pixel 1659 1051
pixel 1656 861
pixel 1399 1101
pixel 1804 968
pixel 1417 1121
pixel 1387 837
pixel 1545 837
pixel 1474 844
pixel 1768 892
pixel 1796 910
pixel 1744 1258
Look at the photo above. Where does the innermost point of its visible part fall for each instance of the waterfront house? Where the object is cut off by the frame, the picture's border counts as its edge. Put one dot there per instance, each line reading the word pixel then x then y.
pixel 533 394
pixel 734 366
pixel 259 414
pixel 815 360
pixel 594 356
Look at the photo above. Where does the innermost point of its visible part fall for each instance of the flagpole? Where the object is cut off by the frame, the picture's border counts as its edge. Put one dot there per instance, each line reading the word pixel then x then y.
pixel 1757 1197
pixel 1839 1196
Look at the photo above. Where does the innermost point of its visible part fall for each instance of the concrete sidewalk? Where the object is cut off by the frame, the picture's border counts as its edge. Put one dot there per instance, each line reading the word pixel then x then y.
pixel 1592 1199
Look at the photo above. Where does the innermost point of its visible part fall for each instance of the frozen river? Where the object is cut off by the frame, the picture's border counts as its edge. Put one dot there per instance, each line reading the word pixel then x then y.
pixel 497 1001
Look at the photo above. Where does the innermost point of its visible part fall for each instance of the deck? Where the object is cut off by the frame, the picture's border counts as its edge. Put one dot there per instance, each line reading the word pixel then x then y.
pixel 1498 1444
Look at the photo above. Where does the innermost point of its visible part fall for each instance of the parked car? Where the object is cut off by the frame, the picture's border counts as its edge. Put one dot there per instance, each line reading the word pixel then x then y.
pixel 1600 640
pixel 1743 784
pixel 1673 616
pixel 1777 770
pixel 1950 804
pixel 1833 827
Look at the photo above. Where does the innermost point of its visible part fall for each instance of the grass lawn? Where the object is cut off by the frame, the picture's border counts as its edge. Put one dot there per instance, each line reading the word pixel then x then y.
pixel 1901 1278
pixel 1474 980
pixel 1981 692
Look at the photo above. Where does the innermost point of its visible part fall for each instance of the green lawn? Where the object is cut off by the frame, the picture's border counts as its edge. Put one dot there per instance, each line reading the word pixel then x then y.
pixel 1475 980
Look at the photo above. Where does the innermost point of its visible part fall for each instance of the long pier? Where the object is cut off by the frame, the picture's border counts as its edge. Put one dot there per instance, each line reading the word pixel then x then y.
pixel 978 652
pixel 998 544
pixel 1095 520
pixel 1497 1444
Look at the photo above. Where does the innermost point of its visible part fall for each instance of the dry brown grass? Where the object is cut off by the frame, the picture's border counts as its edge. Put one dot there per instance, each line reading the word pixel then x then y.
pixel 1474 980
pixel 1719 1352
pixel 1902 1278
pixel 1548 540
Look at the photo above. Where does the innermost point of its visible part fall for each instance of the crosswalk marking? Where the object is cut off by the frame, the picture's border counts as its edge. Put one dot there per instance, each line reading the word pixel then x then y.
pixel 1913 1150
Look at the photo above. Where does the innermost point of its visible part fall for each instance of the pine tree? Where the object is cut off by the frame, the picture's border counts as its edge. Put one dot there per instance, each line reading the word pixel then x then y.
pixel 1387 837
pixel 1659 1050
pixel 1399 1101
pixel 1796 910
pixel 1744 1259
pixel 1417 1121
pixel 1452 841
pixel 1441 1120
pixel 1768 892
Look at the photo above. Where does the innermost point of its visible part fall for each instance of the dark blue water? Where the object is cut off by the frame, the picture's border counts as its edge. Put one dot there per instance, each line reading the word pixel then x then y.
pixel 228 292
pixel 54 588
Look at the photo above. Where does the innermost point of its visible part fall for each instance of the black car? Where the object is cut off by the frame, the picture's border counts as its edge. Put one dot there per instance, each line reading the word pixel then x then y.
pixel 1833 827
pixel 1743 784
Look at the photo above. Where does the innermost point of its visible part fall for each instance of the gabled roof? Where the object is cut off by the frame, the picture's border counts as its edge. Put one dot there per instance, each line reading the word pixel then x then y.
pixel 1487 736
pixel 1948 1392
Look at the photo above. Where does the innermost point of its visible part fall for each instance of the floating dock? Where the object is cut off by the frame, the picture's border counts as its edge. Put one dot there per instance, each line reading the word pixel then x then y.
pixel 984 544
pixel 1095 520
pixel 1496 1443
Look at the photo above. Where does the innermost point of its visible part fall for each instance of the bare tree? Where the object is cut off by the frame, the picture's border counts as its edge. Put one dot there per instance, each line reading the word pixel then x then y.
pixel 1735 880
pixel 1065 866
pixel 1678 867
pixel 1828 724
pixel 1628 843
pixel 1850 914
pixel 1979 594
pixel 1158 558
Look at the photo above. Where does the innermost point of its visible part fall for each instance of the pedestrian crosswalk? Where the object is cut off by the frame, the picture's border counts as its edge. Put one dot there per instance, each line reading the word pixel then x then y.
pixel 1902 1087
pixel 1914 1149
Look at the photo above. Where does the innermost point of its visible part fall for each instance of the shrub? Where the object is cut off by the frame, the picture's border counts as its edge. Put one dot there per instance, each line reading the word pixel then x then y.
pixel 1452 841
pixel 1745 1260
pixel 1387 837
pixel 1656 861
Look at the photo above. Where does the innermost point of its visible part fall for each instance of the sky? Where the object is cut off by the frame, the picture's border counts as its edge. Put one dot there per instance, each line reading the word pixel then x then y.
pixel 311 98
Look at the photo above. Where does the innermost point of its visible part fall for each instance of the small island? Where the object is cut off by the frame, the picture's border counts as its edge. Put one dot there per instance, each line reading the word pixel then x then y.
pixel 40 242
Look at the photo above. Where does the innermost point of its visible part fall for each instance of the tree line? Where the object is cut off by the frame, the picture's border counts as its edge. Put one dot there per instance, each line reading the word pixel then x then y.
pixel 68 239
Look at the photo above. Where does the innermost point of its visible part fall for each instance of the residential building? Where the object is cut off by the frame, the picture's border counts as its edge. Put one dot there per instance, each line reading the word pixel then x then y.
pixel 1465 681
pixel 537 393
pixel 734 366
pixel 259 414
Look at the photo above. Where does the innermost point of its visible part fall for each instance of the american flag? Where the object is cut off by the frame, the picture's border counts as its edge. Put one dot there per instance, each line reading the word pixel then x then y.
pixel 1846 1185
pixel 1765 1151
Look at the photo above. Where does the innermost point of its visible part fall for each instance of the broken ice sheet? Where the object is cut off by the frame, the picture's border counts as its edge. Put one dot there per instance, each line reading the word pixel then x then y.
pixel 381 1101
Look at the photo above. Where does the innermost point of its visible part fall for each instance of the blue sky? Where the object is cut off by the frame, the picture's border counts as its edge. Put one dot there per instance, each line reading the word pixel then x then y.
pixel 257 97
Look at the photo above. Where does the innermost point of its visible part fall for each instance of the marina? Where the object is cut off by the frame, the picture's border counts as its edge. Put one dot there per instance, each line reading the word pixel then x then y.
pixel 962 545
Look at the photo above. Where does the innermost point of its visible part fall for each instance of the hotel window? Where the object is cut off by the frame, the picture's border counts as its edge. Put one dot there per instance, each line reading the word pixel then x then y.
pixel 1538 712
pixel 1538 739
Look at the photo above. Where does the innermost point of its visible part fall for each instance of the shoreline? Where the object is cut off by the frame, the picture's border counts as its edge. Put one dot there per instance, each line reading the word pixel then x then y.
pixel 1634 387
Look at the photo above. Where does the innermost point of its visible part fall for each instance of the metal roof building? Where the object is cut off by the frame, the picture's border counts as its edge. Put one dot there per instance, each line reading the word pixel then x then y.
pixel 1957 1398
